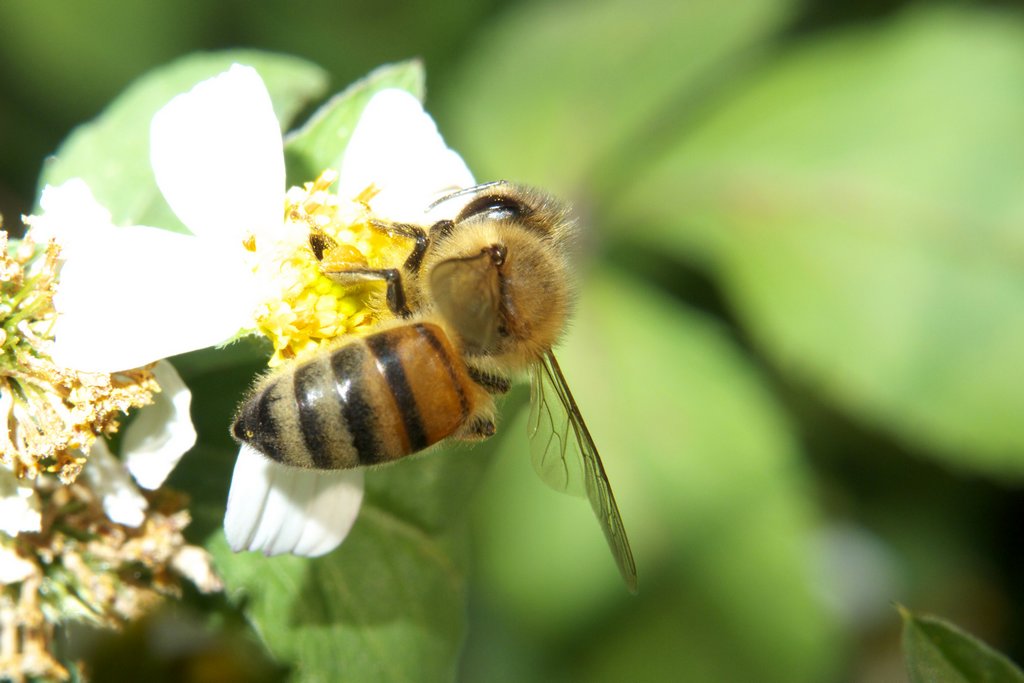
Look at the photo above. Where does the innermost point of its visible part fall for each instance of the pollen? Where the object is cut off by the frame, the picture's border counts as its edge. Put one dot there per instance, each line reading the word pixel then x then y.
pixel 50 415
pixel 323 234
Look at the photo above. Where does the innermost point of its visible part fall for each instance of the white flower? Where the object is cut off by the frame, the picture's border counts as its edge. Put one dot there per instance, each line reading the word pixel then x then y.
pixel 122 502
pixel 397 149
pixel 152 445
pixel 161 433
pixel 196 565
pixel 19 505
pixel 13 567
pixel 217 155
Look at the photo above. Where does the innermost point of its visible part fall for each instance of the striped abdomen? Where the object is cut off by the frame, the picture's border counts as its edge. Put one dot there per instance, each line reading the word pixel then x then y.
pixel 372 400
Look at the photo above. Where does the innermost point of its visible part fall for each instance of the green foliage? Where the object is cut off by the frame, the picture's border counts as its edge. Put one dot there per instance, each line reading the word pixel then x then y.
pixel 859 201
pixel 590 80
pixel 939 652
pixel 389 607
pixel 803 259
pixel 710 491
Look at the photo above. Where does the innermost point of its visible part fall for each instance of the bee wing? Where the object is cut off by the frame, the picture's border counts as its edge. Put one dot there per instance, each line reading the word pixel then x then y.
pixel 549 430
pixel 566 458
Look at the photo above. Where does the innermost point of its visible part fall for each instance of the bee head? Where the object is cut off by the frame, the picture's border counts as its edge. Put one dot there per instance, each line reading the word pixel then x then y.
pixel 501 277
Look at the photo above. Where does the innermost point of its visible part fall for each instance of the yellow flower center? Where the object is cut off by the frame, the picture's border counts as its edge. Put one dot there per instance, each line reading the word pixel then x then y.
pixel 310 308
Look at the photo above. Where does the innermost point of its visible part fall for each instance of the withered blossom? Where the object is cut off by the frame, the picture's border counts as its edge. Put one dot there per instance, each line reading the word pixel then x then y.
pixel 82 566
pixel 49 415
pixel 90 548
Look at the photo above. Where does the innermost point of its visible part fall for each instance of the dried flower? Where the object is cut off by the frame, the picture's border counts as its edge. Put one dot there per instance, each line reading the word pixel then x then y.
pixel 50 415
pixel 82 565
pixel 90 547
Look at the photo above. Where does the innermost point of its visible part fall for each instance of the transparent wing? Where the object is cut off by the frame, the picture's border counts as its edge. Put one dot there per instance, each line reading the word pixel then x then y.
pixel 554 457
pixel 566 458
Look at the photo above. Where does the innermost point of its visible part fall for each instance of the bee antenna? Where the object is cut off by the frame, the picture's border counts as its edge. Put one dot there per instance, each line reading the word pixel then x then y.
pixel 463 192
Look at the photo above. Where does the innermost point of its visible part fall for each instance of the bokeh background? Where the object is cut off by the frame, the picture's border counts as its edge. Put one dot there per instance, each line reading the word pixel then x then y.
pixel 799 343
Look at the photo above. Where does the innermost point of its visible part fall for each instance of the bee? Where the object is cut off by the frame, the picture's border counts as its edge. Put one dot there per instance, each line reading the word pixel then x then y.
pixel 480 298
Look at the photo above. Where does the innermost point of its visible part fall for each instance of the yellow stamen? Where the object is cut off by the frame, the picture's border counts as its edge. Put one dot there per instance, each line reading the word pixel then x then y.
pixel 312 309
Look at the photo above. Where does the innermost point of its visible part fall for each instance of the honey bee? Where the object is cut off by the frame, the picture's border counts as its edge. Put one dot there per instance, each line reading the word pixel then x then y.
pixel 481 297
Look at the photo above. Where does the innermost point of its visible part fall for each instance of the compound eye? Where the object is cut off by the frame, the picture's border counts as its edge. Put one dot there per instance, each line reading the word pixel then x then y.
pixel 494 207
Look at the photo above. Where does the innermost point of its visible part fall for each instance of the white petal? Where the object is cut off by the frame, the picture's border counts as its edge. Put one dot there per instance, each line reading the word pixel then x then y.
pixel 155 441
pixel 278 509
pixel 196 565
pixel 70 212
pixel 218 157
pixel 121 500
pixel 14 567
pixel 396 148
pixel 129 296
pixel 19 506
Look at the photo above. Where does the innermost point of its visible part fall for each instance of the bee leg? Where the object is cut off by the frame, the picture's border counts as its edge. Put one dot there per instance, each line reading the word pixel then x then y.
pixel 441 229
pixel 477 429
pixel 493 383
pixel 413 232
pixel 320 242
pixel 392 276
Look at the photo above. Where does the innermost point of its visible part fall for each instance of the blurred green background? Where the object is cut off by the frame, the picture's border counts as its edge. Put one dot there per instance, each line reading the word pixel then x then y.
pixel 798 346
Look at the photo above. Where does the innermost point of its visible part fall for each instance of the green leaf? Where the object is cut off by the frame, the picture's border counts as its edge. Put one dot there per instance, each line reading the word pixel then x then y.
pixel 707 477
pixel 321 142
pixel 389 604
pixel 554 90
pixel 936 651
pixel 860 202
pixel 111 153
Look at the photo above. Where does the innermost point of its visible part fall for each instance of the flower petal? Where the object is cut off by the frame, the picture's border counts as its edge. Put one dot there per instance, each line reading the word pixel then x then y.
pixel 19 506
pixel 13 567
pixel 218 156
pixel 196 565
pixel 396 148
pixel 279 509
pixel 70 212
pixel 175 293
pixel 155 441
pixel 122 502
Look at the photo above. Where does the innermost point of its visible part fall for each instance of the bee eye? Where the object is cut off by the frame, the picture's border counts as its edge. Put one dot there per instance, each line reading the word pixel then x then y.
pixel 494 207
